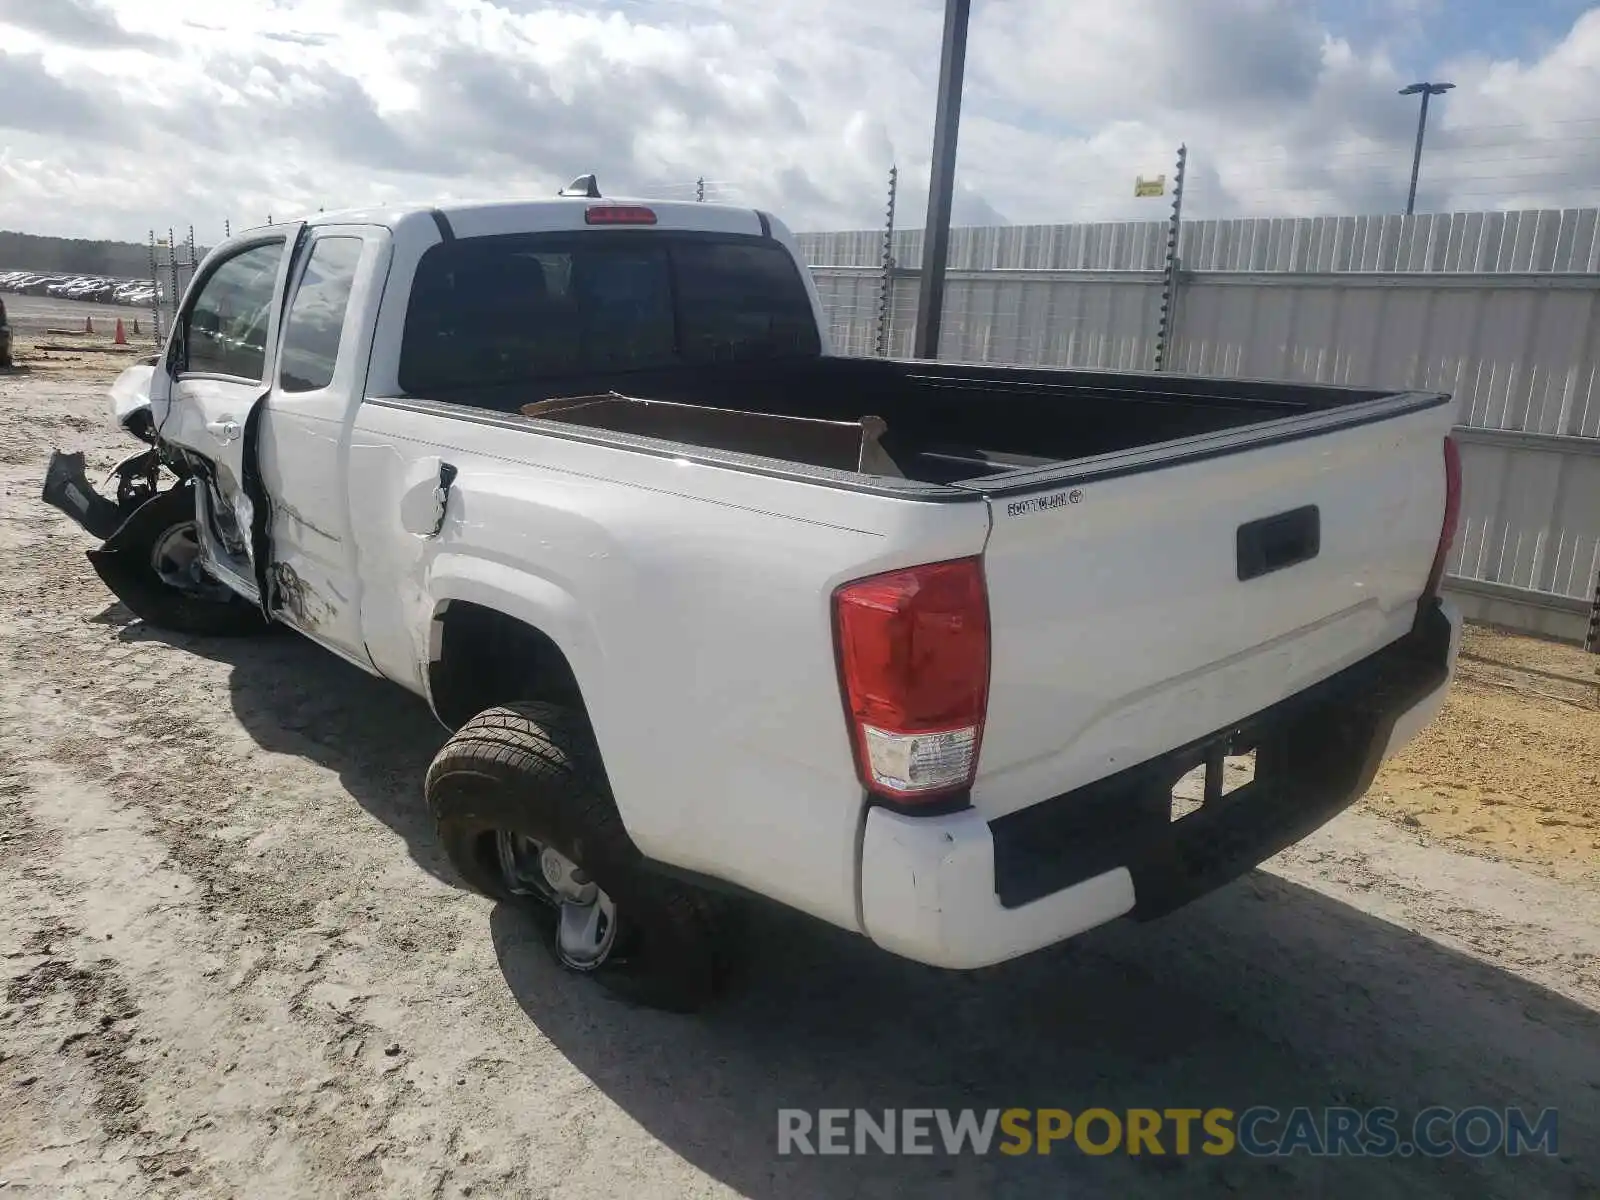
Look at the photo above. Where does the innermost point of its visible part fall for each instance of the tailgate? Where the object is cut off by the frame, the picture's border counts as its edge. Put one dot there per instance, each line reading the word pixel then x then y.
pixel 1136 610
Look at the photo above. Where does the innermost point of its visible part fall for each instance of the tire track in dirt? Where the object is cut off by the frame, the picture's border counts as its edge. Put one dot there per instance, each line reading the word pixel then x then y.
pixel 122 715
pixel 270 1003
pixel 109 706
pixel 100 998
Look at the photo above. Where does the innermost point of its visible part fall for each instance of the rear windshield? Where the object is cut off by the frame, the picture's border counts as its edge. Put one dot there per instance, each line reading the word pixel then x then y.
pixel 492 311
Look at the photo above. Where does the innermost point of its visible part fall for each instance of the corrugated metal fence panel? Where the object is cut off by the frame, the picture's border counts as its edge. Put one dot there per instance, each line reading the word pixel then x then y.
pixel 1521 360
pixel 1517 355
pixel 1554 240
pixel 852 248
pixel 1023 319
pixel 1105 323
pixel 1543 240
pixel 1500 309
pixel 1530 517
pixel 1106 246
pixel 850 300
pixel 1523 612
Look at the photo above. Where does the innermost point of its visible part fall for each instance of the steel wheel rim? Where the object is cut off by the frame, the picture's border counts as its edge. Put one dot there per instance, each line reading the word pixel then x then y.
pixel 175 558
pixel 586 918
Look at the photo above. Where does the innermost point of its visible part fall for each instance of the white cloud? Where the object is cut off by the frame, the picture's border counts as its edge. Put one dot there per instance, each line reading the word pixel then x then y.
pixel 119 115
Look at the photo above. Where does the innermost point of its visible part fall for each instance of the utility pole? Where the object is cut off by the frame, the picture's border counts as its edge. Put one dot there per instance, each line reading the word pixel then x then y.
pixel 941 178
pixel 1427 91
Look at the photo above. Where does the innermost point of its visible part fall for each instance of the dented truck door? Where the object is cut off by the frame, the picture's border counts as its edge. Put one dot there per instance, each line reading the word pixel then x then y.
pixel 223 350
pixel 304 434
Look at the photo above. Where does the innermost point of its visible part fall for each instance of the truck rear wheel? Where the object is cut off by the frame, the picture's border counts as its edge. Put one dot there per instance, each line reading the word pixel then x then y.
pixel 152 564
pixel 525 814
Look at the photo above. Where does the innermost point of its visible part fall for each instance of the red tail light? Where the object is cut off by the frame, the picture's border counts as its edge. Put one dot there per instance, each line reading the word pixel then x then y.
pixel 619 214
pixel 913 651
pixel 1452 515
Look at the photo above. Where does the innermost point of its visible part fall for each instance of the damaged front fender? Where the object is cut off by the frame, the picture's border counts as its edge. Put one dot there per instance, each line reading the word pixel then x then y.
pixel 130 401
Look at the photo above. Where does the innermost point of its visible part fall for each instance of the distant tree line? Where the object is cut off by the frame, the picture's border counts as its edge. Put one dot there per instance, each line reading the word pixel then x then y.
pixel 73 256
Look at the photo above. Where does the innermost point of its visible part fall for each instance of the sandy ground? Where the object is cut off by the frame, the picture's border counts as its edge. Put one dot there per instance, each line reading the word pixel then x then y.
pixel 236 964
pixel 1511 769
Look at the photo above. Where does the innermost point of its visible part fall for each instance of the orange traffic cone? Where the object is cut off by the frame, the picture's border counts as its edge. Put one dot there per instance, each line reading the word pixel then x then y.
pixel 122 334
pixel 88 324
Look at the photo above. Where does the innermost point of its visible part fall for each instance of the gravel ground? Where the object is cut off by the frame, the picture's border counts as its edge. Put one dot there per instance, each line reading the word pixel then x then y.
pixel 1511 769
pixel 236 964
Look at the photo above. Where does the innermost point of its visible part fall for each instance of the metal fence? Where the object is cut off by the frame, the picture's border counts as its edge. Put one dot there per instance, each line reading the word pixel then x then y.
pixel 173 260
pixel 1501 309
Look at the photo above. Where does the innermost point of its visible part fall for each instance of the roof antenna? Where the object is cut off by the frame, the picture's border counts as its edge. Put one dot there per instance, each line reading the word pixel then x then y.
pixel 584 187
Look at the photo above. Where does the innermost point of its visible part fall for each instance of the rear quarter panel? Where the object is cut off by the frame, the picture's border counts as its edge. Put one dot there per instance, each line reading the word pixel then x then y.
pixel 693 602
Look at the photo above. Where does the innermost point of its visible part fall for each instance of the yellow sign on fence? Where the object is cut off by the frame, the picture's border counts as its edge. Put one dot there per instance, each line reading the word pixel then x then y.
pixel 1150 187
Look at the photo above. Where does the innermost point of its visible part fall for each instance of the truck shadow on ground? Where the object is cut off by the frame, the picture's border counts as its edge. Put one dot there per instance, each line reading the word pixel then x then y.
pixel 1265 993
pixel 293 697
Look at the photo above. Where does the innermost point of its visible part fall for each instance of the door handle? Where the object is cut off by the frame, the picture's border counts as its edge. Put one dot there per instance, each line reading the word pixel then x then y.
pixel 223 431
pixel 1280 541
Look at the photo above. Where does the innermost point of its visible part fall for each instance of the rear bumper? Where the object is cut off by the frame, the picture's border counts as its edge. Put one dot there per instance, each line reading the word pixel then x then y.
pixel 959 891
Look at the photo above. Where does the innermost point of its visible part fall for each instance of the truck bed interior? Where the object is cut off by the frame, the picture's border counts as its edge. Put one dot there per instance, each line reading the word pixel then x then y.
pixel 948 423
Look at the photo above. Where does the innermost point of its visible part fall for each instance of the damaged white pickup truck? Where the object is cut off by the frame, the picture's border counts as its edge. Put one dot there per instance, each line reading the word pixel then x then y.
pixel 920 649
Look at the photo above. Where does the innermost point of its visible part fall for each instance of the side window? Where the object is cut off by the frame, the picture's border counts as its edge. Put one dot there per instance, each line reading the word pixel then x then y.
pixel 316 316
pixel 226 329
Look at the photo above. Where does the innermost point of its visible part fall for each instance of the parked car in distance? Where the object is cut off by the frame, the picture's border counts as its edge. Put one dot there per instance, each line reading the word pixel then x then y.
pixel 87 288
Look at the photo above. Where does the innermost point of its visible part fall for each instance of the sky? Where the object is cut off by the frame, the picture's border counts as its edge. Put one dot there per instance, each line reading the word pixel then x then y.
pixel 117 116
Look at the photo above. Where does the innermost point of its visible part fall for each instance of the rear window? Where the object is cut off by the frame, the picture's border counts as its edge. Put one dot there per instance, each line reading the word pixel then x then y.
pixel 487 312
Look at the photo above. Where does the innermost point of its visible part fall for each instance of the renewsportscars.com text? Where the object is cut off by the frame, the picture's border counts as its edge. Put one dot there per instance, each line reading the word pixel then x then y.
pixel 1258 1131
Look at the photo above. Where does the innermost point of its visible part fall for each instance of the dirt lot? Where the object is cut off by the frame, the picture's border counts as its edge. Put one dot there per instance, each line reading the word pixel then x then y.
pixel 236 964
pixel 1511 769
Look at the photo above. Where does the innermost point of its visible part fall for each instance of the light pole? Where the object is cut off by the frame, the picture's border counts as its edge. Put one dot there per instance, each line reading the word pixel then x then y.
pixel 1427 91
pixel 941 179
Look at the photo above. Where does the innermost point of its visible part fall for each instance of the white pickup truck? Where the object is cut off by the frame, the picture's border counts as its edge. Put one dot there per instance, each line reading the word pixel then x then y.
pixel 920 649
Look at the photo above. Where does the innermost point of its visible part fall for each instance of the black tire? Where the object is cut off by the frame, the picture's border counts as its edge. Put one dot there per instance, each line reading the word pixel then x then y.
pixel 534 769
pixel 125 564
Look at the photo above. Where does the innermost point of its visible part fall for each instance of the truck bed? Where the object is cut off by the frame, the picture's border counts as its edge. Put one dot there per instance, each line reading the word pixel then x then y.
pixel 1152 573
pixel 953 423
